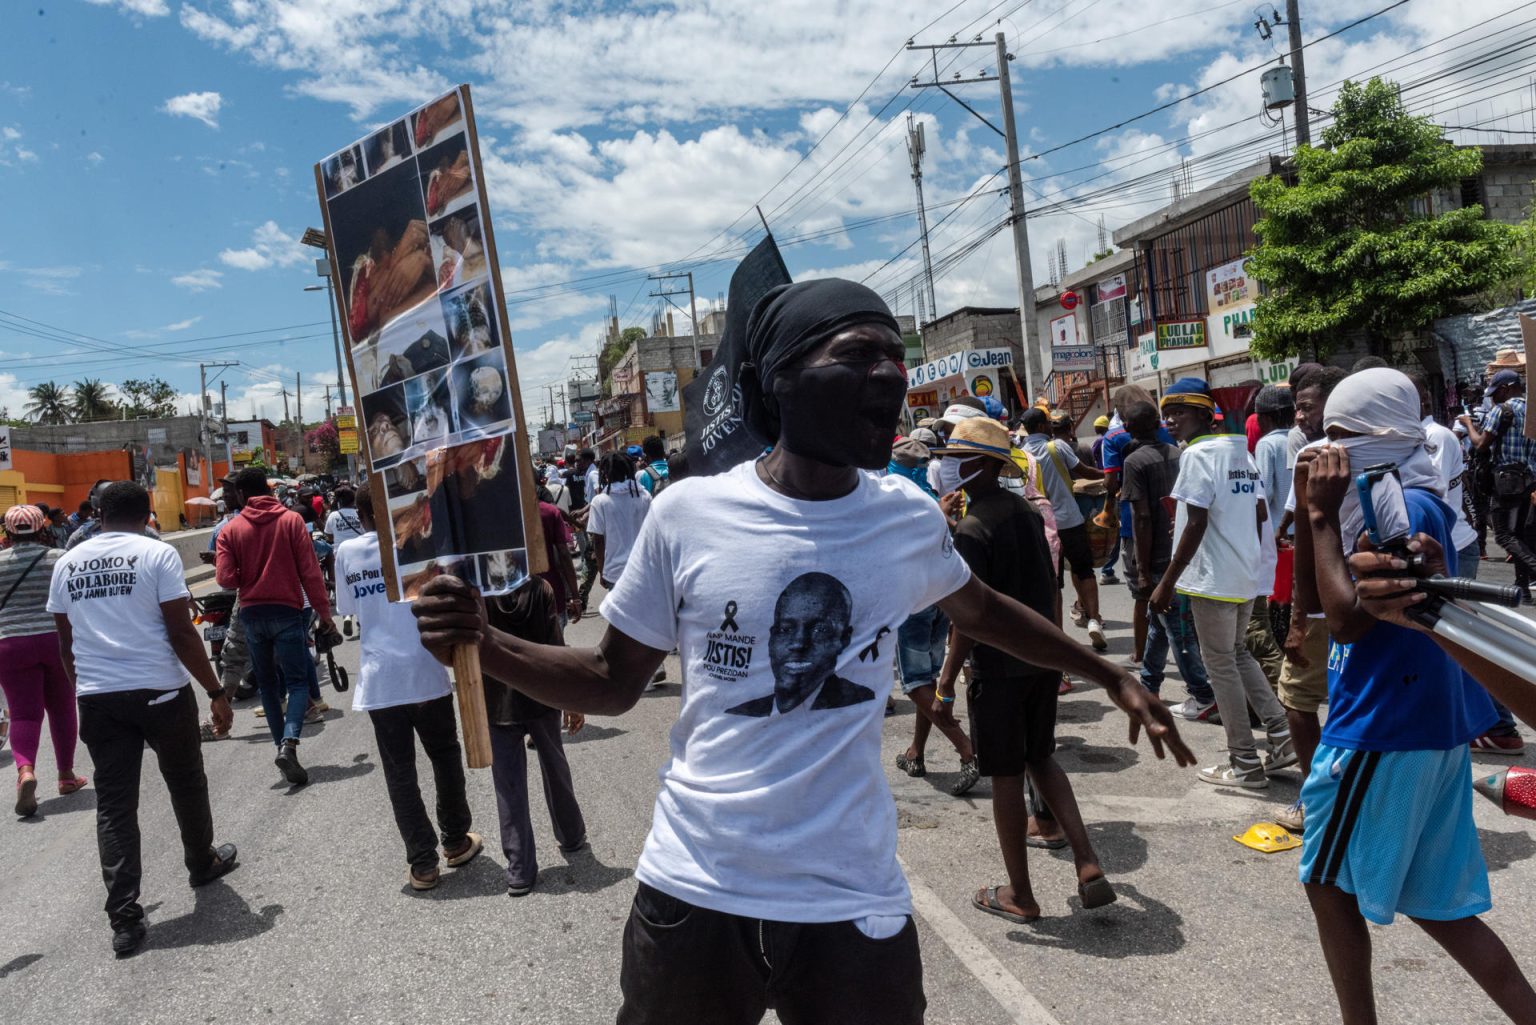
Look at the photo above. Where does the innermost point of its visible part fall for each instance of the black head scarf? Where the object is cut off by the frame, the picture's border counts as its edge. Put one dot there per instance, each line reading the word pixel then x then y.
pixel 789 322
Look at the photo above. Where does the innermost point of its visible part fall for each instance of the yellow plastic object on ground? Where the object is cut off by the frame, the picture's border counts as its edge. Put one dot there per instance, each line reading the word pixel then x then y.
pixel 1269 838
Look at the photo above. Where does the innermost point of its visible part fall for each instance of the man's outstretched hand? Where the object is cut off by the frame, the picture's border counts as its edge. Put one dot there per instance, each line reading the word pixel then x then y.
pixel 449 612
pixel 1148 713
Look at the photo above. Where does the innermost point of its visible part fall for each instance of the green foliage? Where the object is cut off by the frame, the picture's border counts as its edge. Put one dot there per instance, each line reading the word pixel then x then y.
pixel 1350 247
pixel 92 401
pixel 152 397
pixel 49 404
pixel 1520 282
pixel 614 351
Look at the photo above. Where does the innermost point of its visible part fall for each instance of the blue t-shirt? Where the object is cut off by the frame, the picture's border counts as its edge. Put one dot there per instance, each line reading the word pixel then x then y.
pixel 1395 689
pixel 1112 458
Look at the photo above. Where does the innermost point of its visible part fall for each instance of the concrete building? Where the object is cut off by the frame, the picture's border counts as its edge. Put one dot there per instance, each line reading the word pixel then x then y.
pixel 972 351
pixel 646 390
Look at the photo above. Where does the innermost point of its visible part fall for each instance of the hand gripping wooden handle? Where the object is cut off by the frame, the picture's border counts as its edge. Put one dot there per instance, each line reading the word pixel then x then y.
pixel 472 717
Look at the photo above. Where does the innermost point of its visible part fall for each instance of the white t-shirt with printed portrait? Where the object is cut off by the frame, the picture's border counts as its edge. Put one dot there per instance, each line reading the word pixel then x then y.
pixel 111 588
pixel 1217 474
pixel 773 802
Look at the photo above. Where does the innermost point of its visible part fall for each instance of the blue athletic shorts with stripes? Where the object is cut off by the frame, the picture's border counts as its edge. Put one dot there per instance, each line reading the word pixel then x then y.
pixel 1395 829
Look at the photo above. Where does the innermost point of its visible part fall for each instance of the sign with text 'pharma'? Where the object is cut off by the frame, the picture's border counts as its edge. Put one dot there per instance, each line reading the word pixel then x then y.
pixel 1173 335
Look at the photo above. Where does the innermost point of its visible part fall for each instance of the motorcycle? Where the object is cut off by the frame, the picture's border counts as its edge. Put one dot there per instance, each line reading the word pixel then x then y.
pixel 212 613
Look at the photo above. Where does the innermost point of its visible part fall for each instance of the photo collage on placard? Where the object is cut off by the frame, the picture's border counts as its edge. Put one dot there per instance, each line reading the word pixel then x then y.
pixel 461 507
pixel 420 309
pixel 417 293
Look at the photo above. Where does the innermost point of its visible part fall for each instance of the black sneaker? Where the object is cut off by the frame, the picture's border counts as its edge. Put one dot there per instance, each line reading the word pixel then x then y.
pixel 288 761
pixel 127 940
pixel 222 864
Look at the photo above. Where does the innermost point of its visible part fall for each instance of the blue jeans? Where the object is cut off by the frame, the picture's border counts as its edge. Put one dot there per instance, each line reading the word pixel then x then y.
pixel 1178 627
pixel 280 658
pixel 1107 571
pixel 920 644
pixel 1467 561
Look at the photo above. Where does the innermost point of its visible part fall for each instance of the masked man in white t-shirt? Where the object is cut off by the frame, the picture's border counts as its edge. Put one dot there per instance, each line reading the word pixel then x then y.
pixel 1218 561
pixel 770 872
pixel 125 631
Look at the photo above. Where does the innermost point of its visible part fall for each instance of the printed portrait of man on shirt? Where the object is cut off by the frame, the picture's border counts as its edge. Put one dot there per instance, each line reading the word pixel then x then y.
pixel 812 625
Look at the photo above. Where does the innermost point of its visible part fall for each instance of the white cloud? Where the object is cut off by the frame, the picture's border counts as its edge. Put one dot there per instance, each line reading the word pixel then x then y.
pixel 148 8
pixel 11 149
pixel 270 247
pixel 199 280
pixel 10 134
pixel 202 106
pixel 95 158
pixel 182 325
pixel 48 280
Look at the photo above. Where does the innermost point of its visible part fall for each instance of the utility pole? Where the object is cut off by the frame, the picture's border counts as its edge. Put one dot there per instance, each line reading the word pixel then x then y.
pixel 1298 72
pixel 1034 378
pixel 693 306
pixel 327 400
pixel 286 418
pixel 202 396
pixel 916 147
pixel 229 452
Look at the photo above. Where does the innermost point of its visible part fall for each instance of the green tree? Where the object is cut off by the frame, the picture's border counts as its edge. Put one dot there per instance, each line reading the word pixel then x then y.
pixel 151 397
pixel 49 404
pixel 91 401
pixel 1352 246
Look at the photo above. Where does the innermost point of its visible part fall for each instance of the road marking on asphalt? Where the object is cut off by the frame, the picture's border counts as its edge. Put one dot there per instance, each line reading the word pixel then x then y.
pixel 1013 996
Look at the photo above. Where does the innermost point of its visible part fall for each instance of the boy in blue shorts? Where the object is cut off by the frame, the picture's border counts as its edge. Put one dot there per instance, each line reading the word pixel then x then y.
pixel 1388 798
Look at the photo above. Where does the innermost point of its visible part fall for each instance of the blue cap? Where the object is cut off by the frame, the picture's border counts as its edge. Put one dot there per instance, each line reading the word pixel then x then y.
pixel 633 451
pixel 994 408
pixel 1504 377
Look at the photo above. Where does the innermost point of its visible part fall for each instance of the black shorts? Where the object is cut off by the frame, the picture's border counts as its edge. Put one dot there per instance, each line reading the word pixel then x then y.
pixel 687 963
pixel 1013 721
pixel 1075 552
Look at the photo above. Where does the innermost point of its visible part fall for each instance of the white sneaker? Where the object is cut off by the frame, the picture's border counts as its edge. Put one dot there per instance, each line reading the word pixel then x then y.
pixel 1096 635
pixel 1233 774
pixel 1282 755
pixel 1192 710
pixel 1293 818
pixel 346 625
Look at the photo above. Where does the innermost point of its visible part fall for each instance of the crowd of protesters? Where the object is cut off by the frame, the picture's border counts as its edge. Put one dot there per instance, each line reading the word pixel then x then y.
pixel 793 588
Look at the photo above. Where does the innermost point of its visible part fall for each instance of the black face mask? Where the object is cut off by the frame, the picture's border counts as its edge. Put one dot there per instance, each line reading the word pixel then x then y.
pixel 843 414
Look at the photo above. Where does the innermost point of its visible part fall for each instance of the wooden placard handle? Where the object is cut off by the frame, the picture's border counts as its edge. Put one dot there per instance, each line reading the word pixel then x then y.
pixel 472 717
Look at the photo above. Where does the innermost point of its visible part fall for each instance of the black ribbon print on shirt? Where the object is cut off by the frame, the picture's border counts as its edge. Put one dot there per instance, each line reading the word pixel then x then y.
pixel 729 625
pixel 873 651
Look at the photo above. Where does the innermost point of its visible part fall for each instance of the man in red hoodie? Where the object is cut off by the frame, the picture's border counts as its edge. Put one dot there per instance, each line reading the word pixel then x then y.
pixel 265 554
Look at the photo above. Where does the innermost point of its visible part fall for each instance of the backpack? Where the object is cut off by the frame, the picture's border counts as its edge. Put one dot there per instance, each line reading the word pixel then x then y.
pixel 659 476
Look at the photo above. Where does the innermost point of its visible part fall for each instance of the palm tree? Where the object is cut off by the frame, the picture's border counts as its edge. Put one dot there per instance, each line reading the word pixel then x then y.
pixel 91 400
pixel 49 405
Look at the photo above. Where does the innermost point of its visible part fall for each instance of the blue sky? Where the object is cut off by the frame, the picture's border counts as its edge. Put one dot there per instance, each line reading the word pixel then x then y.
pixel 157 155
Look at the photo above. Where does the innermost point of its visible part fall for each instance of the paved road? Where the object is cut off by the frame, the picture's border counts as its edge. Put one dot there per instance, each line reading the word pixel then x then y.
pixel 317 924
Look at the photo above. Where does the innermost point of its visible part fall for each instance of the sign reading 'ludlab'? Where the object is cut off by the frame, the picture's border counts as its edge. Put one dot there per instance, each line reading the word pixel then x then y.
pixel 1173 335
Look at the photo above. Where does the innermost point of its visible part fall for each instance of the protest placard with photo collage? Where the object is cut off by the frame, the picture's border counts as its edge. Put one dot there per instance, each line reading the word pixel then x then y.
pixel 413 261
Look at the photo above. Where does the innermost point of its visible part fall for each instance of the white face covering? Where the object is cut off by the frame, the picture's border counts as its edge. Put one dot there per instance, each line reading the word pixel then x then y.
pixel 949 475
pixel 1382 405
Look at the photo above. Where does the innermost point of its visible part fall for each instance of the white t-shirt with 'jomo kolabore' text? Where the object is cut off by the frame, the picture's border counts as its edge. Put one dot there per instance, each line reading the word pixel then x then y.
pixel 111 588
pixel 773 803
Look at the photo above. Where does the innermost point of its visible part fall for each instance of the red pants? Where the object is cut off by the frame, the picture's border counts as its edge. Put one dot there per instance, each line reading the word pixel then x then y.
pixel 32 676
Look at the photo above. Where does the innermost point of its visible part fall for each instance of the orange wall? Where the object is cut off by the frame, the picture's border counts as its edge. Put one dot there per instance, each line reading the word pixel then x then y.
pixel 74 471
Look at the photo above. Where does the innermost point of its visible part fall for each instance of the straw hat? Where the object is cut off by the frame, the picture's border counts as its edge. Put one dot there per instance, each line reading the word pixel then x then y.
pixel 980 436
pixel 1510 359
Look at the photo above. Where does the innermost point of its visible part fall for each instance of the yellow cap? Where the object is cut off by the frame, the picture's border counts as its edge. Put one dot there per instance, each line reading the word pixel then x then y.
pixel 1268 837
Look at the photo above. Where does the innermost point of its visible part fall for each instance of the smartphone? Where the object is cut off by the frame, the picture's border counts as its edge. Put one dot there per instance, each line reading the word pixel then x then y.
pixel 1381 500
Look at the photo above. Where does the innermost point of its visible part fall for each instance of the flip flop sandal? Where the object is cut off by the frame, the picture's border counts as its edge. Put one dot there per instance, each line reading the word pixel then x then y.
pixel 1096 893
pixel 209 732
pixel 992 906
pixel 69 786
pixel 913 767
pixel 1041 843
pixel 970 775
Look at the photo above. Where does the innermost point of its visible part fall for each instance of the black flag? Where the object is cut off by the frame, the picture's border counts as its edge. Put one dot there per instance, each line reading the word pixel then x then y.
pixel 716 435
